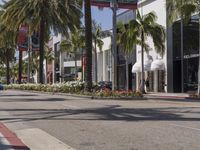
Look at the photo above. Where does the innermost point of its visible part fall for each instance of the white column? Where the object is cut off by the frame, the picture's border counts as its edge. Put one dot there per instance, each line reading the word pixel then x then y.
pixel 104 66
pixel 138 81
pixel 156 81
pixel 53 71
pixel 61 66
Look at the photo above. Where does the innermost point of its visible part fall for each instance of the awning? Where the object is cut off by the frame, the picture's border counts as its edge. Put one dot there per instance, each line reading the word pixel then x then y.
pixel 158 65
pixel 137 66
pixel 147 65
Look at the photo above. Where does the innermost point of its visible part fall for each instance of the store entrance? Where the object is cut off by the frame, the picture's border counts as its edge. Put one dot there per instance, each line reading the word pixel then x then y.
pixel 177 76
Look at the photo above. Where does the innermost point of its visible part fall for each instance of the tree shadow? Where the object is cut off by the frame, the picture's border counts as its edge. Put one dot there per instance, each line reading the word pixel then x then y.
pixel 18 95
pixel 34 100
pixel 109 113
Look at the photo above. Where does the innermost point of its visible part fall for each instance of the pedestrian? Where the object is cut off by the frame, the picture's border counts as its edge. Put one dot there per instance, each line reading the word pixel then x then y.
pixel 147 84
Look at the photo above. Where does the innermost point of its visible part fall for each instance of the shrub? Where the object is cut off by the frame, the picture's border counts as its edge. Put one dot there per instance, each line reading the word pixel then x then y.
pixel 74 88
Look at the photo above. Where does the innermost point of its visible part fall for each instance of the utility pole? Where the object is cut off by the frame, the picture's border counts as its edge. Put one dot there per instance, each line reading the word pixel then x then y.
pixel 114 45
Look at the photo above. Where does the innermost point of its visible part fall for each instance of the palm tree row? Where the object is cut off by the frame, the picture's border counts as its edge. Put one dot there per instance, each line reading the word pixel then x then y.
pixel 43 16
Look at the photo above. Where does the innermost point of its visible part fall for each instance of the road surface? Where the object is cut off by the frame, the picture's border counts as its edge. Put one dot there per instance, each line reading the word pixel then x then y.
pixel 85 124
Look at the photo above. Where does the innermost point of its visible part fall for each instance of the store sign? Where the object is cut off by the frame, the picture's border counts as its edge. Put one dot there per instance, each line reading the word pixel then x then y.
pixel 126 4
pixel 191 56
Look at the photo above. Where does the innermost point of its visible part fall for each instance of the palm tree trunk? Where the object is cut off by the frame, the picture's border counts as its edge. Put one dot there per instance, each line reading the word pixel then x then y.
pixel 142 64
pixel 88 37
pixel 95 55
pixel 127 71
pixel 76 73
pixel 7 70
pixel 46 72
pixel 199 60
pixel 182 57
pixel 20 68
pixel 42 30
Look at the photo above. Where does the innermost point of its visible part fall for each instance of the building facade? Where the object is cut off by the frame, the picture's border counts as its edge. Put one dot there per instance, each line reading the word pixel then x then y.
pixel 178 68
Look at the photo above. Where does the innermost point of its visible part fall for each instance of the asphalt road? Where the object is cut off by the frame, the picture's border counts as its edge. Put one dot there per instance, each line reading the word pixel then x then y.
pixel 105 124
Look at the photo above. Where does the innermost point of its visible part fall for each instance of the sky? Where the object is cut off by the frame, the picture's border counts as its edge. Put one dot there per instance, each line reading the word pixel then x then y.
pixel 103 17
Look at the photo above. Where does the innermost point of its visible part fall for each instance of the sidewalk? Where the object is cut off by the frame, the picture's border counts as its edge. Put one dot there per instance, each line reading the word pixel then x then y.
pixel 171 96
pixel 9 141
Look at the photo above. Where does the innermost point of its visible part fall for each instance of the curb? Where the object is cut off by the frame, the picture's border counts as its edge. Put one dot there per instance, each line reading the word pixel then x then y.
pixel 174 98
pixel 14 141
pixel 146 97
pixel 85 96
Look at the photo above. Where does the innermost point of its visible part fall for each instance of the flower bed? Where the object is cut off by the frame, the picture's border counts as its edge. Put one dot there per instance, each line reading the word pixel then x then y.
pixel 121 93
pixel 74 88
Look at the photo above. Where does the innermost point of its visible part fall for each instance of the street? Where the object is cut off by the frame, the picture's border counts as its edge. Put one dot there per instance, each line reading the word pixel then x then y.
pixel 85 124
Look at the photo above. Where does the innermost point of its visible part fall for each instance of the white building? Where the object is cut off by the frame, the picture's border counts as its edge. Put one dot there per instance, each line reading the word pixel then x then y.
pixel 166 74
pixel 104 61
pixel 154 65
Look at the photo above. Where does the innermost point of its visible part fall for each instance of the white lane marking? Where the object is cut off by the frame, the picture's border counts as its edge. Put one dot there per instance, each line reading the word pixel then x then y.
pixel 71 106
pixel 186 127
pixel 4 144
pixel 37 139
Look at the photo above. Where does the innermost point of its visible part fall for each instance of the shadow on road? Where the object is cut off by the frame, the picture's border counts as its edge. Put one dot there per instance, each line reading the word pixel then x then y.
pixel 18 95
pixel 34 100
pixel 110 113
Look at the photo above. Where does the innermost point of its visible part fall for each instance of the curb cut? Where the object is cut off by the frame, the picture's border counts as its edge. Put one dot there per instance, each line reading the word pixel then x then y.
pixel 14 141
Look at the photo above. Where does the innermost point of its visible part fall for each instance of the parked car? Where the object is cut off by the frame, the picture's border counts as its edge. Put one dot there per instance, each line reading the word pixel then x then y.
pixel 105 84
pixel 1 87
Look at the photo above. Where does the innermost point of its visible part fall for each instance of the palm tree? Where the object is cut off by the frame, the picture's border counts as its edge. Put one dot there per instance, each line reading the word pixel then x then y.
pixel 34 64
pixel 183 9
pixel 96 34
pixel 88 45
pixel 42 15
pixel 8 54
pixel 8 40
pixel 72 44
pixel 141 28
pixel 49 57
pixel 126 39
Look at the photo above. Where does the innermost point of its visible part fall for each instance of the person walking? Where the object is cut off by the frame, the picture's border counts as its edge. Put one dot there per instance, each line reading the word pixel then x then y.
pixel 147 84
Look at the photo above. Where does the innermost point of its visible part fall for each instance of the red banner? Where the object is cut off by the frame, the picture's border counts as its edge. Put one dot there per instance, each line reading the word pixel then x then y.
pixel 23 38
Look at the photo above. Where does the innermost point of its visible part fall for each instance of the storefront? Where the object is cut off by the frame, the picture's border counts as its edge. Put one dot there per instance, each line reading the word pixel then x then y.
pixel 190 57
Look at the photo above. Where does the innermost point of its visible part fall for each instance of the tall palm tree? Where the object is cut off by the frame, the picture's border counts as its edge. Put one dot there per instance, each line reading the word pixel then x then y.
pixel 73 44
pixel 8 54
pixel 8 40
pixel 126 39
pixel 49 57
pixel 141 28
pixel 88 45
pixel 42 15
pixel 96 35
pixel 183 9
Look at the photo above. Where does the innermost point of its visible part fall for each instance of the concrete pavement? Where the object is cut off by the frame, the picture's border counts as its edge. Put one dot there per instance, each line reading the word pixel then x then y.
pixel 102 124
